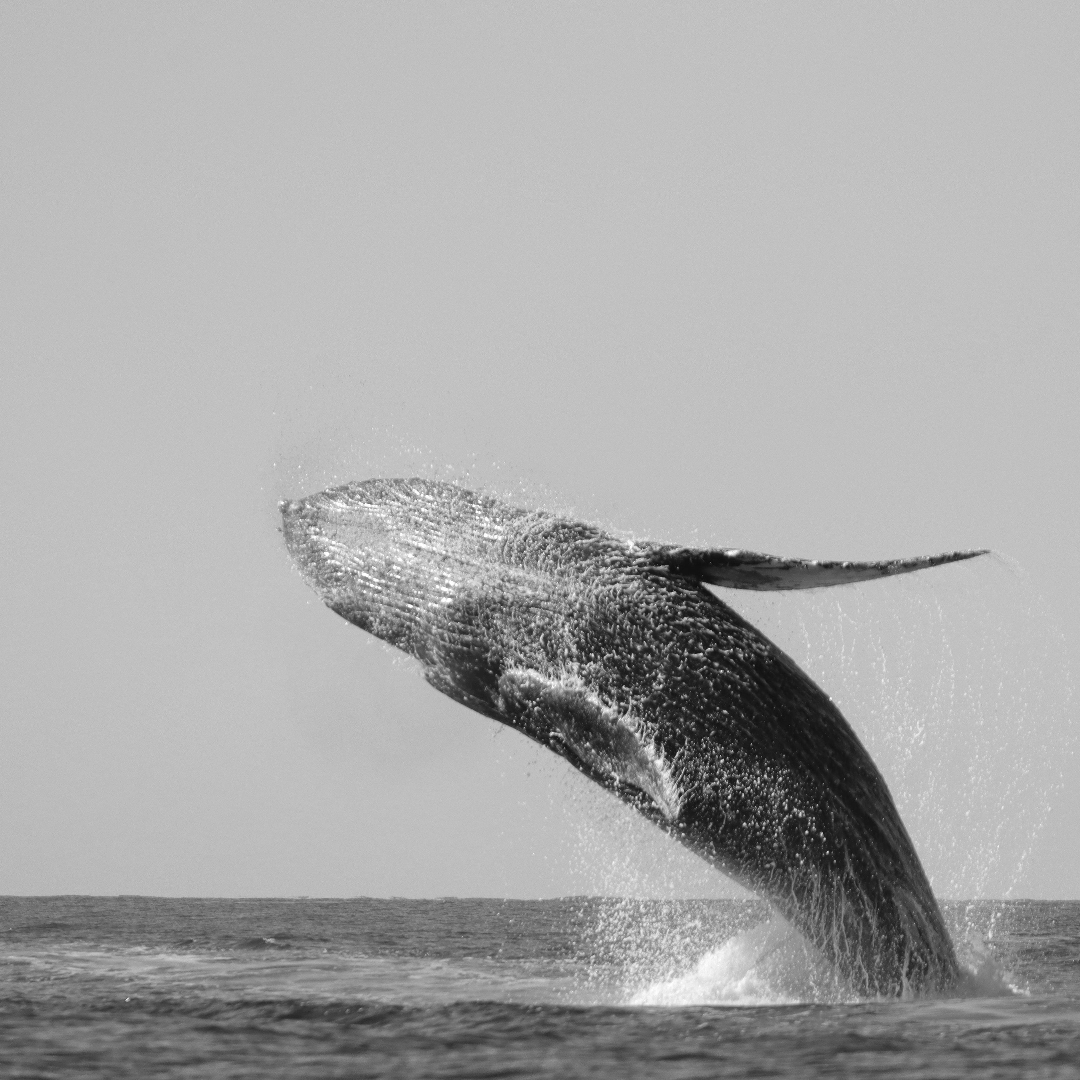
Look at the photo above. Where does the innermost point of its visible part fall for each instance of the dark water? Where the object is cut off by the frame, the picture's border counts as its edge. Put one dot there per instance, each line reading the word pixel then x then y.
pixel 142 987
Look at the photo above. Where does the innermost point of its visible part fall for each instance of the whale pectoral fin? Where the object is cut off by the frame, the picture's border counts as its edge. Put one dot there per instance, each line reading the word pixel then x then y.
pixel 737 569
pixel 609 747
pixel 566 717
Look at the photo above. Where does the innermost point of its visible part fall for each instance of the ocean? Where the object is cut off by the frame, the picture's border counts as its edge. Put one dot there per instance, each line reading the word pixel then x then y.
pixel 148 987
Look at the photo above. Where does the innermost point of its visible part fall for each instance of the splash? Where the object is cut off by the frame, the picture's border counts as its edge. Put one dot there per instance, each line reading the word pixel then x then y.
pixel 986 965
pixel 676 953
pixel 658 953
pixel 770 964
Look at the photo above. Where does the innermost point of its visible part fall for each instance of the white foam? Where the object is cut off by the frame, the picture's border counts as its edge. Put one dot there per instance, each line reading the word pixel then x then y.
pixel 982 973
pixel 769 964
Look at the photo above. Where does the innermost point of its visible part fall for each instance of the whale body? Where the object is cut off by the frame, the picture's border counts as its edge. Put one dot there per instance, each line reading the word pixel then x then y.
pixel 614 655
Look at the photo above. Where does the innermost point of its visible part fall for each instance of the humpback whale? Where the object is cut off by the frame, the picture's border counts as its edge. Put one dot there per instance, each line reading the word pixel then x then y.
pixel 613 654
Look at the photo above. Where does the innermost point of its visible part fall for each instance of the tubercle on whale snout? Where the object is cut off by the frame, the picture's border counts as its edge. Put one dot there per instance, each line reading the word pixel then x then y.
pixel 613 654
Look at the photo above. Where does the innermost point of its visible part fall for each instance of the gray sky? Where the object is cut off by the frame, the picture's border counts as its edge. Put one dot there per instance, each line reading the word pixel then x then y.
pixel 801 278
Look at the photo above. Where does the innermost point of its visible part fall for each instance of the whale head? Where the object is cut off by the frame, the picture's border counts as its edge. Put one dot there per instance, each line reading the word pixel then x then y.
pixel 387 554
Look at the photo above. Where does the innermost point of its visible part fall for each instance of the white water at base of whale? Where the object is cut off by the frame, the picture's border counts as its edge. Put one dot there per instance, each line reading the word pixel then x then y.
pixel 769 964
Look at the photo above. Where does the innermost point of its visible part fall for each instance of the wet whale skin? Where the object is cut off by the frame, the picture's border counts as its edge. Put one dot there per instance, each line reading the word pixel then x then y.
pixel 614 655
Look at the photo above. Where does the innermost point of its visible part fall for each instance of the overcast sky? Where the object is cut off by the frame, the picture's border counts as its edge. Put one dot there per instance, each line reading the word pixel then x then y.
pixel 803 278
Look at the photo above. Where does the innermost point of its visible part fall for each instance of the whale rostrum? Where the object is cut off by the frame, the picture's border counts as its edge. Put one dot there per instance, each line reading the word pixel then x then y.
pixel 612 654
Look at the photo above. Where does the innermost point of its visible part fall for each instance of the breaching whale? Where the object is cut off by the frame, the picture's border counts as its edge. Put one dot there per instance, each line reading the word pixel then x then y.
pixel 611 653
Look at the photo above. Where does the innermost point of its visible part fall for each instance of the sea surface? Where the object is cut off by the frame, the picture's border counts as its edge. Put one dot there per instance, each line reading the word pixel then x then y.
pixel 302 988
